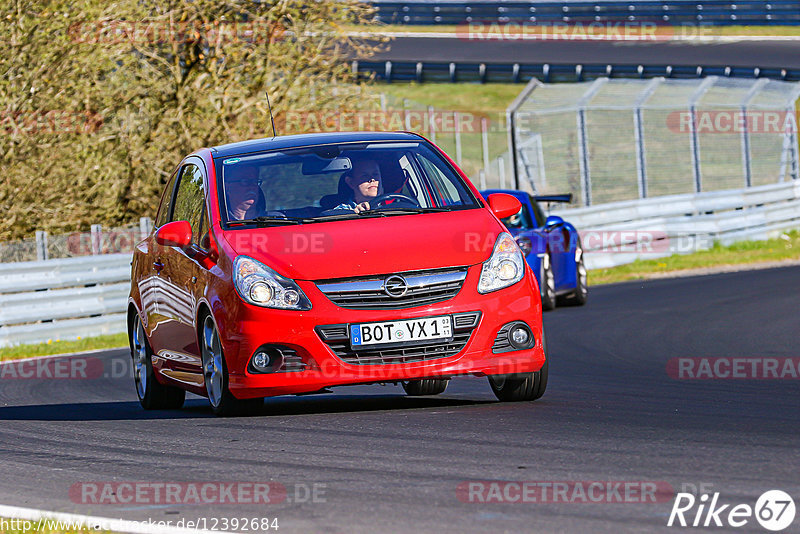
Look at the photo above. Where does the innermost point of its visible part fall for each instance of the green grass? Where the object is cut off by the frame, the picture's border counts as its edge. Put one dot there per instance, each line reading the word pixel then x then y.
pixel 63 347
pixel 470 97
pixel 745 252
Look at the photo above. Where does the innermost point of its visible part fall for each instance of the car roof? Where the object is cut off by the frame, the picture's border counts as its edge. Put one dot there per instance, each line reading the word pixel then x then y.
pixel 303 140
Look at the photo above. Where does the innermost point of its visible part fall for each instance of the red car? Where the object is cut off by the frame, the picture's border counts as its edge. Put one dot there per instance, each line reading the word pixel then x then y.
pixel 291 264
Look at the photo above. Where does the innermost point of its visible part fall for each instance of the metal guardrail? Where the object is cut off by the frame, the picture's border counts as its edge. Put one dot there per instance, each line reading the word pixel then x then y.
pixel 87 296
pixel 714 12
pixel 622 232
pixel 63 298
pixel 453 72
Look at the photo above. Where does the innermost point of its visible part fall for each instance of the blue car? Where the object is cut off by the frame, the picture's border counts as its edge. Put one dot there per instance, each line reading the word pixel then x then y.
pixel 552 248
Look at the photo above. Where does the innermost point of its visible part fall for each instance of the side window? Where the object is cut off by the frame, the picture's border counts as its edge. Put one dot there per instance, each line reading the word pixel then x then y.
pixel 190 198
pixel 538 213
pixel 162 217
pixel 201 238
pixel 449 192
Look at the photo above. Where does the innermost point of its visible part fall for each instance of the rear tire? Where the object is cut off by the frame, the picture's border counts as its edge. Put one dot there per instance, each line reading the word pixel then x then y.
pixel 152 395
pixel 429 386
pixel 215 374
pixel 523 386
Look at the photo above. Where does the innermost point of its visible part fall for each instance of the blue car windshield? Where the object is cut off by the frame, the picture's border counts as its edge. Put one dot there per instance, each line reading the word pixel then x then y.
pixel 319 183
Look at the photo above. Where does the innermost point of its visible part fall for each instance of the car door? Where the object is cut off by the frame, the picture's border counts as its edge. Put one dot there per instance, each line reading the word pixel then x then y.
pixel 149 277
pixel 180 348
pixel 559 240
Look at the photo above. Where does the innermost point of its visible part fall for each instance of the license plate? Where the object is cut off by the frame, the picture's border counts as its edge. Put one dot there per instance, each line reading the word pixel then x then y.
pixel 399 332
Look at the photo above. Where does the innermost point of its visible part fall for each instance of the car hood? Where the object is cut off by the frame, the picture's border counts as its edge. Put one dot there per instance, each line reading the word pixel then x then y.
pixel 362 247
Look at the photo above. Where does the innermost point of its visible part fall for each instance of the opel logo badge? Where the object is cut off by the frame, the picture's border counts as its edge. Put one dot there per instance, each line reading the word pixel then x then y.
pixel 395 286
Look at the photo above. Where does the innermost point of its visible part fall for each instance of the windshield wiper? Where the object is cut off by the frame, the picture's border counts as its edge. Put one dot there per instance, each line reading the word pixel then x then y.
pixel 268 221
pixel 403 211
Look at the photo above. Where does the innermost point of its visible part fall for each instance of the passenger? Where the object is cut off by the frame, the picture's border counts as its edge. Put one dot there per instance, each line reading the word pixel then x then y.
pixel 364 179
pixel 241 191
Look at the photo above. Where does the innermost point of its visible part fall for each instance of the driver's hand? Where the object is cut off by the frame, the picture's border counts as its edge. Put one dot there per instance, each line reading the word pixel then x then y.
pixel 364 206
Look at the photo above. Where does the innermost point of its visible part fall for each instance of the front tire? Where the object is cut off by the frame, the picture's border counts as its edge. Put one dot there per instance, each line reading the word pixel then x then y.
pixel 430 386
pixel 581 293
pixel 215 374
pixel 152 395
pixel 523 386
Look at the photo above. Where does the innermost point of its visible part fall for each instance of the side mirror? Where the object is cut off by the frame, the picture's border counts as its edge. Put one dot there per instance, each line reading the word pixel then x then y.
pixel 503 205
pixel 175 234
pixel 553 220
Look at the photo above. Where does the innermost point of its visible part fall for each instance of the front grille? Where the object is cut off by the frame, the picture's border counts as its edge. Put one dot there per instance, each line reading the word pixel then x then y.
pixel 369 293
pixel 337 338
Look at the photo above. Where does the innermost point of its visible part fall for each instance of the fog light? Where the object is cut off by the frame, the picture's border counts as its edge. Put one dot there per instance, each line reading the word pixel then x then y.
pixel 520 336
pixel 262 361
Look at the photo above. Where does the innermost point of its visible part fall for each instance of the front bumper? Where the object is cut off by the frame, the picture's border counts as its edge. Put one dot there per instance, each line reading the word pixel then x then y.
pixel 295 330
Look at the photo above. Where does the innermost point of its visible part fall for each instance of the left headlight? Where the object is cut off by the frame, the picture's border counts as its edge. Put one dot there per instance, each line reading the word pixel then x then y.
pixel 259 285
pixel 506 266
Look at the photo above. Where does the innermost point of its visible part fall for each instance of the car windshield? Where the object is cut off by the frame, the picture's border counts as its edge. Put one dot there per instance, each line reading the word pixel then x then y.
pixel 338 182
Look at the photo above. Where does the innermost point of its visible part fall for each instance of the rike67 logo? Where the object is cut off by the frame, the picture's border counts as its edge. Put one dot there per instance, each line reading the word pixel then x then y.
pixel 774 510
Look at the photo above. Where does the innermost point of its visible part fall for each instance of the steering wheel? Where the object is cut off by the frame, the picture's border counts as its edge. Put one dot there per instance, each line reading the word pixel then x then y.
pixel 380 200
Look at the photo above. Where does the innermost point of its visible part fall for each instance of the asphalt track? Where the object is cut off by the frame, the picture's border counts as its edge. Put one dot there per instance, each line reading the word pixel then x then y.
pixel 749 53
pixel 392 464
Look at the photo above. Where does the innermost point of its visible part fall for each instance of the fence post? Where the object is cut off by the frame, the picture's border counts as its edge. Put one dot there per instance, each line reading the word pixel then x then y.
pixel 511 113
pixel 638 130
pixel 747 166
pixel 694 141
pixel 485 144
pixel 405 115
pixel 41 246
pixel 792 112
pixel 482 178
pixel 97 236
pixel 145 226
pixel 457 126
pixel 501 169
pixel 583 140
pixel 432 123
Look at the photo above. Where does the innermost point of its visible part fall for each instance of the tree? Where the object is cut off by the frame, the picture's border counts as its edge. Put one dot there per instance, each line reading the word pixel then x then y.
pixel 100 101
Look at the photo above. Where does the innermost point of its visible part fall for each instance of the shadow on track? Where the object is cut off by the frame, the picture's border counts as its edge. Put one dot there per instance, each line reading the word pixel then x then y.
pixel 199 408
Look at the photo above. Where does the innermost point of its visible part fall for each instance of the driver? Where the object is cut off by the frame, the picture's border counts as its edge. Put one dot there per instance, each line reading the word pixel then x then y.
pixel 364 179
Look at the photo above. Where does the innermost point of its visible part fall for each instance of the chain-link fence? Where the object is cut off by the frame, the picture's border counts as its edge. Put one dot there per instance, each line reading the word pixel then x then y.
pixel 611 140
pixel 99 240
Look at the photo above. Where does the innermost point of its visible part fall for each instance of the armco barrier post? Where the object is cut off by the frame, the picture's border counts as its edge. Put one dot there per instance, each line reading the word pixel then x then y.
pixel 41 245
pixel 97 236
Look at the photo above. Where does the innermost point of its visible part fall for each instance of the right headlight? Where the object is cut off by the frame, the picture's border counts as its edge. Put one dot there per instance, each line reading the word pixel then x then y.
pixel 506 266
pixel 259 285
